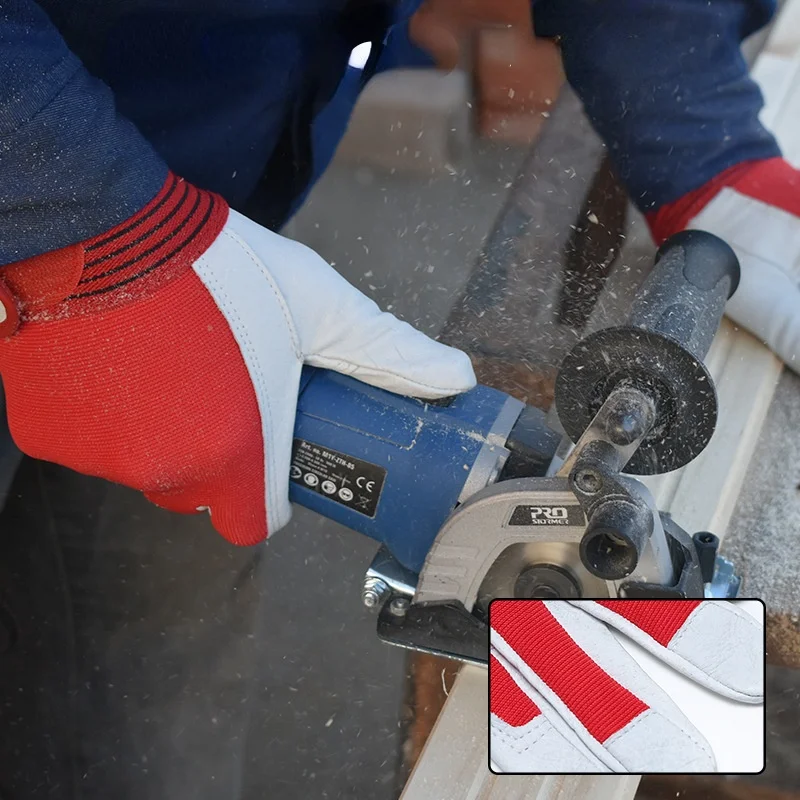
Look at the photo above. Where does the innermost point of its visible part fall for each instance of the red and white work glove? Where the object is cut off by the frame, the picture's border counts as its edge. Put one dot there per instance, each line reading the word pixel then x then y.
pixel 755 207
pixel 565 695
pixel 166 354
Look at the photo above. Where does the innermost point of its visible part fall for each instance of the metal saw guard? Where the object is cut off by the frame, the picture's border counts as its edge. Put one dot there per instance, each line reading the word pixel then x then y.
pixel 462 556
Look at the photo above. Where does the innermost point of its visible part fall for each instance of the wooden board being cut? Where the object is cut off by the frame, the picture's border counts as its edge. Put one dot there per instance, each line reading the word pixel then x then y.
pixel 453 765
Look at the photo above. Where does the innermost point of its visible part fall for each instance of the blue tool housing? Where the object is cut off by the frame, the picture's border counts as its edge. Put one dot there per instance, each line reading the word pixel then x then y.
pixel 388 466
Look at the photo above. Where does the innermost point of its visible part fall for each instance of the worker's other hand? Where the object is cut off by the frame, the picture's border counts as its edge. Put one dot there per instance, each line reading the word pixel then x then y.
pixel 166 355
pixel 755 207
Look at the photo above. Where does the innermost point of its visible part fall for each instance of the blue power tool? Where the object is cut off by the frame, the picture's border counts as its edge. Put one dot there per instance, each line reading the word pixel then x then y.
pixel 476 497
pixel 393 467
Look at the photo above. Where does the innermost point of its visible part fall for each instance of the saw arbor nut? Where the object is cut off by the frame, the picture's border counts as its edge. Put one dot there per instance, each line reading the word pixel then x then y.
pixel 588 481
pixel 546 582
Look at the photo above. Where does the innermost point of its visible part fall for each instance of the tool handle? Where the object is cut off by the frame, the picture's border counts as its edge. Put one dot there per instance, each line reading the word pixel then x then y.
pixel 684 296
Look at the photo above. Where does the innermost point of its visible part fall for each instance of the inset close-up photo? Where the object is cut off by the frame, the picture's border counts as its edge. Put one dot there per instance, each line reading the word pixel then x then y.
pixel 626 686
pixel 368 363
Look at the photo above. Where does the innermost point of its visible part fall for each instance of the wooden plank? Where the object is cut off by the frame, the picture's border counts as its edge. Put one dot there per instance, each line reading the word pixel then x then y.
pixel 455 762
pixel 763 539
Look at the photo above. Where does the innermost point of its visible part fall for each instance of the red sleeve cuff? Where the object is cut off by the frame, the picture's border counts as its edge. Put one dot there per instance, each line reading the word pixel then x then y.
pixel 773 181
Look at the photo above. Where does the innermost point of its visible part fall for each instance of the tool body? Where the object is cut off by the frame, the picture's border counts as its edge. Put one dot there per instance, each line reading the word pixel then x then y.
pixel 476 497
pixel 393 467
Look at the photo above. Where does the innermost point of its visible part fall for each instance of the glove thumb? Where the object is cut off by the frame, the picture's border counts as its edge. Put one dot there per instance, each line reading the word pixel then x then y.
pixel 339 328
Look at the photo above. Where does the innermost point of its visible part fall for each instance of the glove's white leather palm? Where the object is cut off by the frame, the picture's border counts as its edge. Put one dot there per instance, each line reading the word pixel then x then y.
pixel 289 307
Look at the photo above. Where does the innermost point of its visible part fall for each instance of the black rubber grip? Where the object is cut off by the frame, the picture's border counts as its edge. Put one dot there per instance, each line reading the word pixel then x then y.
pixel 684 296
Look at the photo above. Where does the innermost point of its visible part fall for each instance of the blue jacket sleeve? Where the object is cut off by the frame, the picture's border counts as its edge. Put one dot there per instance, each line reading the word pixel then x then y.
pixel 70 166
pixel 665 85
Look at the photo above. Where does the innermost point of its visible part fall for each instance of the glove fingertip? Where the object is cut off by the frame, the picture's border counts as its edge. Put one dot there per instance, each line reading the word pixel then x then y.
pixel 453 374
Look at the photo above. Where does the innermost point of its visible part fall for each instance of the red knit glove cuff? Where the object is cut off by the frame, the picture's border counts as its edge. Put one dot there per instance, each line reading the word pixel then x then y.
pixel 127 263
pixel 772 181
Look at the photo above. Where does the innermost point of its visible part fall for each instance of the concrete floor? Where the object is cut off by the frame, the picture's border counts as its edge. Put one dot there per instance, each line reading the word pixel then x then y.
pixel 406 240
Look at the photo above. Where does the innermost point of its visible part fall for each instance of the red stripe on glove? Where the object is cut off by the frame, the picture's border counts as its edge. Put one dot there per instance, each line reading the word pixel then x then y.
pixel 601 704
pixel 506 699
pixel 659 619
pixel 773 181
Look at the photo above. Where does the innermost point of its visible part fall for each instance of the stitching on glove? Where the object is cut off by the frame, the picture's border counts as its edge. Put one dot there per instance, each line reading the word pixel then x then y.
pixel 264 270
pixel 642 717
pixel 649 618
pixel 726 609
pixel 514 741
pixel 714 218
pixel 550 659
pixel 694 620
pixel 688 735
pixel 337 363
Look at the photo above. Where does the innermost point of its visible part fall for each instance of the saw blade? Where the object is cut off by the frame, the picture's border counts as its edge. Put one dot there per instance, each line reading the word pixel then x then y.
pixel 546 570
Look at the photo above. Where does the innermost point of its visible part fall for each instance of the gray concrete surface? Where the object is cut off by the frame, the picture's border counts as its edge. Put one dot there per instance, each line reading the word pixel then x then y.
pixel 327 721
pixel 763 536
pixel 414 120
pixel 408 240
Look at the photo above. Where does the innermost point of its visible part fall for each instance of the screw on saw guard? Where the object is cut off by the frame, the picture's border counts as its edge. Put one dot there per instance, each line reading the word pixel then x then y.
pixel 477 498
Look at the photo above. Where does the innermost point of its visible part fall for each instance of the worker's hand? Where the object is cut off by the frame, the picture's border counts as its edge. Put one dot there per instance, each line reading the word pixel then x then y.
pixel 755 207
pixel 166 355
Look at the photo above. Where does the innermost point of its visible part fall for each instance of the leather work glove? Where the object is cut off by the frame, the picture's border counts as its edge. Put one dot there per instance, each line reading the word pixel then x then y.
pixel 565 695
pixel 755 207
pixel 166 355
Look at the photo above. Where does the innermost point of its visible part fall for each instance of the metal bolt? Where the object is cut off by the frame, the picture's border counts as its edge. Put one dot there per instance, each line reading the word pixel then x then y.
pixel 629 418
pixel 375 592
pixel 588 481
pixel 624 429
pixel 399 606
